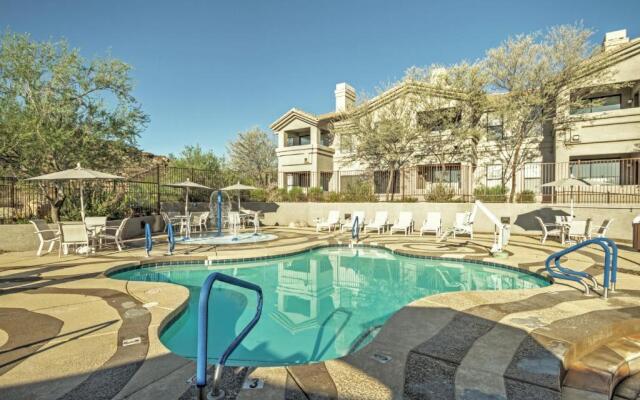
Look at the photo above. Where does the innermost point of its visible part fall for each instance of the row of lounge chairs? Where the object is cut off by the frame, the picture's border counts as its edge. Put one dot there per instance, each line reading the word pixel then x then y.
pixel 404 223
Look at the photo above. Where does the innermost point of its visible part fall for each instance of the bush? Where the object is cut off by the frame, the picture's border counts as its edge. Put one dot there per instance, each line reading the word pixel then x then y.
pixel 296 194
pixel 495 194
pixel 315 194
pixel 526 196
pixel 358 191
pixel 440 194
pixel 333 197
pixel 259 195
pixel 282 195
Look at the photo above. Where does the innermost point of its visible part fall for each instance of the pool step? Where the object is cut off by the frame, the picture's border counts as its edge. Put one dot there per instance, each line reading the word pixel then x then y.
pixel 628 389
pixel 596 375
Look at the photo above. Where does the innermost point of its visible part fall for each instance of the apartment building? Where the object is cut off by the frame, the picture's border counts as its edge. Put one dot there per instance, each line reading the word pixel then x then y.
pixel 598 142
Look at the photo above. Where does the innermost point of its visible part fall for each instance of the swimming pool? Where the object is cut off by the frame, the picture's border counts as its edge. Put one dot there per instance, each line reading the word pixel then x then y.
pixel 318 305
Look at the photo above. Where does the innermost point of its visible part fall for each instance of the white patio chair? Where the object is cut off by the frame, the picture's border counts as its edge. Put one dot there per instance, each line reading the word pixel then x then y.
pixel 348 224
pixel 165 219
pixel 601 231
pixel 578 231
pixel 204 219
pixel 95 225
pixel 45 235
pixel 550 229
pixel 115 233
pixel 403 224
pixel 379 223
pixel 332 221
pixel 73 235
pixel 433 223
pixel 463 224
pixel 194 220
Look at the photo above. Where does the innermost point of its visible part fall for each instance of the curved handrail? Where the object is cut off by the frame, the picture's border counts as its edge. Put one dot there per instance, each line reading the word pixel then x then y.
pixel 171 238
pixel 203 318
pixel 355 229
pixel 614 259
pixel 148 242
pixel 607 245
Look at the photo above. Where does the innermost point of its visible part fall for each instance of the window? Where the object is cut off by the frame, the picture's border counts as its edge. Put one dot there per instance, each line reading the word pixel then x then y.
pixel 429 174
pixel 325 178
pixel 494 175
pixel 597 104
pixel 297 139
pixel 299 179
pixel 606 172
pixel 495 127
pixel 326 138
pixel 532 175
pixel 381 180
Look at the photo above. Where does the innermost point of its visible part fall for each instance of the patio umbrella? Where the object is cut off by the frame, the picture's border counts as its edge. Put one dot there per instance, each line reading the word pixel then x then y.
pixel 570 182
pixel 238 187
pixel 187 185
pixel 77 174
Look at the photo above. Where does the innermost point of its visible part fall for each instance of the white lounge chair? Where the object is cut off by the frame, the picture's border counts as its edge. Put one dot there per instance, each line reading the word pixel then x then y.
pixel 379 223
pixel 601 231
pixel 332 221
pixel 73 235
pixel 348 224
pixel 463 224
pixel 403 224
pixel 433 223
pixel 115 233
pixel 550 229
pixel 45 235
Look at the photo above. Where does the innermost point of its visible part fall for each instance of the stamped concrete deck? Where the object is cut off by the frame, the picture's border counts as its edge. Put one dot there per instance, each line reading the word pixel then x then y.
pixel 65 333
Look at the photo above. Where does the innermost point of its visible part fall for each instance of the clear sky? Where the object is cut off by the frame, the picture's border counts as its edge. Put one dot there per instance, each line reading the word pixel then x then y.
pixel 205 70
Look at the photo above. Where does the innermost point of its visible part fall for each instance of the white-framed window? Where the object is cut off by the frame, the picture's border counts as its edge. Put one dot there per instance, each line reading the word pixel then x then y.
pixel 532 174
pixel 494 175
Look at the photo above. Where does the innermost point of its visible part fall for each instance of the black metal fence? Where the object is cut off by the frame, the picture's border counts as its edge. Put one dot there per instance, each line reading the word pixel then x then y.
pixel 141 193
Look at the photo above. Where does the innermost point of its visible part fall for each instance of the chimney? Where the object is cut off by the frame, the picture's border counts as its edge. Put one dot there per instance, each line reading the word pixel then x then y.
pixel 615 39
pixel 345 97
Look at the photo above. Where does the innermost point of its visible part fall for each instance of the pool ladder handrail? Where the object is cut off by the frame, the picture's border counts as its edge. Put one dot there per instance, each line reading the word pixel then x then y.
pixel 355 229
pixel 610 265
pixel 203 320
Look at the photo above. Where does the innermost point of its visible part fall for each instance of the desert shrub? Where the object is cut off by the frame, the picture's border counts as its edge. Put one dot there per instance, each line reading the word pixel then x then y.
pixel 526 196
pixel 495 194
pixel 259 195
pixel 297 194
pixel 315 194
pixel 358 191
pixel 440 194
pixel 333 197
pixel 282 195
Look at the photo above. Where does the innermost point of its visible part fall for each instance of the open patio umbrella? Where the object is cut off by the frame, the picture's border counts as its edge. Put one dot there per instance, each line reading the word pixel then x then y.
pixel 570 183
pixel 187 185
pixel 77 174
pixel 238 187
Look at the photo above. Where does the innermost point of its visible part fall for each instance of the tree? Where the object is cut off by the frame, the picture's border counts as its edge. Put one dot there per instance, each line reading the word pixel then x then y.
pixel 253 154
pixel 530 76
pixel 449 108
pixel 57 109
pixel 198 158
pixel 382 137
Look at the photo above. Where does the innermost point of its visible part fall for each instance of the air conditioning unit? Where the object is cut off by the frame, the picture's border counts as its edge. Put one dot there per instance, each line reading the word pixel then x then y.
pixel 575 138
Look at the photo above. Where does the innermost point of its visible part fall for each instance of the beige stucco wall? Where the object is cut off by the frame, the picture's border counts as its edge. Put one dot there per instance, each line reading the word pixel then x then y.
pixel 521 215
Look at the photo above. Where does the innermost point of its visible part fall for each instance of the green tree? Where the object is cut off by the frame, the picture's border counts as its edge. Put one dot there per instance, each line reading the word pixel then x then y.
pixel 196 157
pixel 253 155
pixel 58 109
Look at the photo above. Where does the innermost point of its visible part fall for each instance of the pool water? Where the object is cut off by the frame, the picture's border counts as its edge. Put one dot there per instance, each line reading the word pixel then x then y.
pixel 227 238
pixel 318 305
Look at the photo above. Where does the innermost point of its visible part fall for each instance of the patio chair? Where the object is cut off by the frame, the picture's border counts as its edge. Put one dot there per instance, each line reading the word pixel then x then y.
pixel 601 231
pixel 204 219
pixel 578 230
pixel 348 224
pixel 115 233
pixel 194 220
pixel 550 229
pixel 73 235
pixel 433 223
pixel 165 219
pixel 332 221
pixel 403 224
pixel 45 235
pixel 463 224
pixel 95 225
pixel 379 223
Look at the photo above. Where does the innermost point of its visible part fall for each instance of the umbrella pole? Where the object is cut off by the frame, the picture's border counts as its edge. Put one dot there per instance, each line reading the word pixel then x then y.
pixel 81 201
pixel 186 213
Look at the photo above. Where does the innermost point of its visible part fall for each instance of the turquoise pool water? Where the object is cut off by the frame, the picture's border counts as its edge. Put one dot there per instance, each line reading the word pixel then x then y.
pixel 318 305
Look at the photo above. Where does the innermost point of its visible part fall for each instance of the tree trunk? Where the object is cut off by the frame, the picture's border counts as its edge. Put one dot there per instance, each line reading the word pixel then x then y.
pixel 55 202
pixel 389 185
pixel 514 169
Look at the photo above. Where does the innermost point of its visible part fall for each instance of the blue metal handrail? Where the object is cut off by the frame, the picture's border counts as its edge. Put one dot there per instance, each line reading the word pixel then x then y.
pixel 148 241
pixel 203 319
pixel 614 260
pixel 171 239
pixel 355 229
pixel 607 245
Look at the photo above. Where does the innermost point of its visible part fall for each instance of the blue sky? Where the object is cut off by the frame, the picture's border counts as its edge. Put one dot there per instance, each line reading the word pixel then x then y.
pixel 205 70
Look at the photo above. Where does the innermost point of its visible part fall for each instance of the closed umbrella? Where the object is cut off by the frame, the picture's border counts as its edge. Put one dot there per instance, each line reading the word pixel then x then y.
pixel 570 183
pixel 77 174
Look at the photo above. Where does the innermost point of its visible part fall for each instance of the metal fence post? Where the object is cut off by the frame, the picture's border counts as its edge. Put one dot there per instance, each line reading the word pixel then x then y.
pixel 158 203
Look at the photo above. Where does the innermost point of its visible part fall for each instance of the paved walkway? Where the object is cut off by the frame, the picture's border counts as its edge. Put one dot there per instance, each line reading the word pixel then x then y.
pixel 68 332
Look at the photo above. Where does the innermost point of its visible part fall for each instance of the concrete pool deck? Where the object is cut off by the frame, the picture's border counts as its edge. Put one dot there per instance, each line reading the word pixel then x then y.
pixel 68 332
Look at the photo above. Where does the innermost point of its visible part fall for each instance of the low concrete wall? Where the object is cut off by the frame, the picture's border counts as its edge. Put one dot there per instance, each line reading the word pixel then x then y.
pixel 21 237
pixel 521 215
